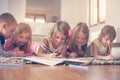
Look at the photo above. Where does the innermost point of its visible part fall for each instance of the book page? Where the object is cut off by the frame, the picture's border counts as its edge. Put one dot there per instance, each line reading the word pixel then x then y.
pixel 46 61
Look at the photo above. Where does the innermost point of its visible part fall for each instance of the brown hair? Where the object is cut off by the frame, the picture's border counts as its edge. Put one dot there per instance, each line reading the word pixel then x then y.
pixel 62 27
pixel 79 27
pixel 22 28
pixel 108 30
pixel 8 18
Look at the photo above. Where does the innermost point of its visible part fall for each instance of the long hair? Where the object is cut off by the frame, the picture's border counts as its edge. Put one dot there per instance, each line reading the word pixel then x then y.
pixel 62 27
pixel 80 27
pixel 22 28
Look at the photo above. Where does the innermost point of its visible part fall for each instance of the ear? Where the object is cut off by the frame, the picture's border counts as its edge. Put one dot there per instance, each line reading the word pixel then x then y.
pixel 100 35
pixel 4 25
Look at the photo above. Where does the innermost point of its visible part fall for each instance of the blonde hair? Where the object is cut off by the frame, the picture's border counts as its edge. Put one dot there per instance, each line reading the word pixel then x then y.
pixel 22 28
pixel 108 30
pixel 80 27
pixel 62 27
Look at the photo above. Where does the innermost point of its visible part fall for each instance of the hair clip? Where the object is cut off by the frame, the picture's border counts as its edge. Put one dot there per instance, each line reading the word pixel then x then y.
pixel 69 32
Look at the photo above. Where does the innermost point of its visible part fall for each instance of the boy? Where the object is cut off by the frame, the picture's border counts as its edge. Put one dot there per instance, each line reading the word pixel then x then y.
pixel 7 26
pixel 103 44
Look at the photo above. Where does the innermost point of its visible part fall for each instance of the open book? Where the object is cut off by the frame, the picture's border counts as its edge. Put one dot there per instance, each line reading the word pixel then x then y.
pixel 55 61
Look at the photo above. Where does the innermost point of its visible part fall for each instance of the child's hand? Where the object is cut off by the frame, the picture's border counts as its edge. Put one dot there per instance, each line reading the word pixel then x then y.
pixel 114 57
pixel 60 56
pixel 109 57
pixel 52 55
pixel 20 54
pixel 73 55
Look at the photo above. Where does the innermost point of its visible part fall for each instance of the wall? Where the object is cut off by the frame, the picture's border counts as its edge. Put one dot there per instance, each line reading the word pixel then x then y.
pixel 113 12
pixel 3 6
pixel 15 7
pixel 112 18
pixel 74 11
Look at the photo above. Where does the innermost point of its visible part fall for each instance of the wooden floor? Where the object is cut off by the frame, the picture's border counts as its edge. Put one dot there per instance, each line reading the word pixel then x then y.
pixel 38 72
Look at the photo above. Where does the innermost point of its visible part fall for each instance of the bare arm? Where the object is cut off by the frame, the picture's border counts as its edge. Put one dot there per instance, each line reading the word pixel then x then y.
pixel 96 53
pixel 42 52
pixel 63 52
pixel 6 54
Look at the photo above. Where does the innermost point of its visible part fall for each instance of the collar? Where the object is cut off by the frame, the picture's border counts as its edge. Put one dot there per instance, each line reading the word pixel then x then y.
pixel 2 39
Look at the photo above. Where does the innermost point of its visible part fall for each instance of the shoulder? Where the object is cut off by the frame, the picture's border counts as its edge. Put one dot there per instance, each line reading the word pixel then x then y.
pixel 97 41
pixel 8 41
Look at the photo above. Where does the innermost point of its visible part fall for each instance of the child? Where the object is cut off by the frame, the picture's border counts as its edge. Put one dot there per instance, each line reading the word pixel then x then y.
pixel 7 26
pixel 55 44
pixel 102 45
pixel 20 40
pixel 78 40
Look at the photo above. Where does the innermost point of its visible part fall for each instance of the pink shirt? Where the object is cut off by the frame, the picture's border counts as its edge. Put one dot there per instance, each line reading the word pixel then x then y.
pixel 16 49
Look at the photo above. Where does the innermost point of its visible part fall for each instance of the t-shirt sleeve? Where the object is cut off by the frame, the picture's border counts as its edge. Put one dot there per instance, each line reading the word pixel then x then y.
pixel 5 53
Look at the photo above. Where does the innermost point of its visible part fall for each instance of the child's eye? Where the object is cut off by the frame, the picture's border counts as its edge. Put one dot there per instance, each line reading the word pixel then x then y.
pixel 57 37
pixel 63 38
pixel 12 31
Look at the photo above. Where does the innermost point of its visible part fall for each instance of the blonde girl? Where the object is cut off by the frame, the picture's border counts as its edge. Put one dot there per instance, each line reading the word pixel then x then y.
pixel 102 45
pixel 21 40
pixel 55 44
pixel 78 40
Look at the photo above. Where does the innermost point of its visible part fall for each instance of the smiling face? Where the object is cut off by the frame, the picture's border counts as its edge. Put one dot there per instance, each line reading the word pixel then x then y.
pixel 22 38
pixel 58 39
pixel 80 39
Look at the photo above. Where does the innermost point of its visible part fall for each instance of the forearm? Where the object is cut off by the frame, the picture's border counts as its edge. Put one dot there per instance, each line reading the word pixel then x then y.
pixel 103 57
pixel 41 54
pixel 7 54
pixel 28 54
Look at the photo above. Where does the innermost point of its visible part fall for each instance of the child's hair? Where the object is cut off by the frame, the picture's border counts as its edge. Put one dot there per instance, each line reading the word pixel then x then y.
pixel 62 27
pixel 80 27
pixel 8 18
pixel 108 30
pixel 22 28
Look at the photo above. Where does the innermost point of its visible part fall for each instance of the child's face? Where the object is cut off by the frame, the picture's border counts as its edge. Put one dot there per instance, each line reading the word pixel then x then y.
pixel 23 38
pixel 59 38
pixel 106 41
pixel 8 30
pixel 80 39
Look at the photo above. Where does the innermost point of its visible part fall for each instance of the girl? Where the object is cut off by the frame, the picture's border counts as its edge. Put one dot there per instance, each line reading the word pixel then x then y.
pixel 55 44
pixel 21 40
pixel 102 45
pixel 78 40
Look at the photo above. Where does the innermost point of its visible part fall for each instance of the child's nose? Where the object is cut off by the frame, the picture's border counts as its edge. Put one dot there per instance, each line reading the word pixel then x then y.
pixel 109 42
pixel 59 40
pixel 23 40
pixel 79 40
